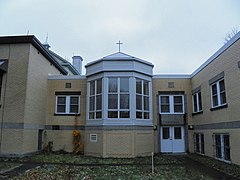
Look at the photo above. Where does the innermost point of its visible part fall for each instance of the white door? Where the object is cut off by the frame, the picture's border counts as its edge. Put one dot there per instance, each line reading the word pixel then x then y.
pixel 172 139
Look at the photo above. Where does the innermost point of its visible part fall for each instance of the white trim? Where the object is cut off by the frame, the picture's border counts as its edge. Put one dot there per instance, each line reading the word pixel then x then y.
pixel 67 105
pixel 172 76
pixel 62 77
pixel 171 104
pixel 93 138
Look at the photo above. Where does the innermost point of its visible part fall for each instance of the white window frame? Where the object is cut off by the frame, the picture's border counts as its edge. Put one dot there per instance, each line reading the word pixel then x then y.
pixel 171 104
pixel 200 143
pixel 93 138
pixel 118 93
pixel 217 83
pixel 198 102
pixel 67 106
pixel 223 158
pixel 95 110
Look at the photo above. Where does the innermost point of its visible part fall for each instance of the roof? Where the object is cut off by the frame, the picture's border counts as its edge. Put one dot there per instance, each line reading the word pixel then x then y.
pixel 64 63
pixel 119 56
pixel 37 44
pixel 218 53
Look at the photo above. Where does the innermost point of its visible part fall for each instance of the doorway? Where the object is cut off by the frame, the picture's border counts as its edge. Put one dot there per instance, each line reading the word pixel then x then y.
pixel 172 139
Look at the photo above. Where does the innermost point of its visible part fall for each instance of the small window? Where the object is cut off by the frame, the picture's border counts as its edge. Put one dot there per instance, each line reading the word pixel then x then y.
pixel 222 147
pixel 68 85
pixel 197 102
pixel 93 137
pixel 199 143
pixel 218 94
pixel 67 104
pixel 171 104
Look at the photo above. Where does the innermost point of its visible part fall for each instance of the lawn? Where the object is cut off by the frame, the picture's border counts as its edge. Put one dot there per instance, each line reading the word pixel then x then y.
pixel 69 166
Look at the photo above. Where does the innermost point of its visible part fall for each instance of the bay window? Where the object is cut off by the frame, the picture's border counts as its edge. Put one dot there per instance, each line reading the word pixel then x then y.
pixel 118 97
pixel 142 99
pixel 95 99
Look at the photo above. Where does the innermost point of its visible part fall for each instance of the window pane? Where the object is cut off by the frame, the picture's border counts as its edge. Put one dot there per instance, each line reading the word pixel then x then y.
pixel 195 103
pixel 139 102
pixel 92 103
pixel 61 100
pixel 139 114
pixel 112 85
pixel 124 114
pixel 112 101
pixel 99 114
pixel 61 108
pixel 124 84
pixel 99 102
pixel 165 133
pixel 73 108
pixel 214 89
pixel 139 86
pixel 177 133
pixel 215 101
pixel 177 99
pixel 221 85
pixel 202 143
pixel 112 114
pixel 223 98
pixel 164 99
pixel 92 87
pixel 145 88
pixel 178 108
pixel 74 100
pixel 91 115
pixel 99 86
pixel 218 146
pixel 197 143
pixel 124 101
pixel 146 103
pixel 200 101
pixel 165 108
pixel 146 115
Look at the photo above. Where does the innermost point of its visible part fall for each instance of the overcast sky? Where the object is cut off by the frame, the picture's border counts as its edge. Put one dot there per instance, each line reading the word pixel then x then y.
pixel 177 36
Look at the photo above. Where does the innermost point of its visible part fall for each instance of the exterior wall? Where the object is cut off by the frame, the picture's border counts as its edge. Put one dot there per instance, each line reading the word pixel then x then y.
pixel 120 143
pixel 225 120
pixel 12 109
pixel 161 84
pixel 63 138
pixel 23 109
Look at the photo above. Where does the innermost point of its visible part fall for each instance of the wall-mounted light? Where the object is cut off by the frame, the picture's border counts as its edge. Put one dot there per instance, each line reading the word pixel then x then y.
pixel 190 127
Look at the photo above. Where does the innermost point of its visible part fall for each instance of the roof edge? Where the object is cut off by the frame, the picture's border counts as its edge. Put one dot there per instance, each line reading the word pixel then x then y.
pixel 216 54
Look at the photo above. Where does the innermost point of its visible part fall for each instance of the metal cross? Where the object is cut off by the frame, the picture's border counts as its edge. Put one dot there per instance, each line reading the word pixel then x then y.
pixel 119 45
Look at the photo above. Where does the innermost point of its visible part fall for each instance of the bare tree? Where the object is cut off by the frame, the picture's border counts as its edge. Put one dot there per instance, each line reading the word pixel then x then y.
pixel 230 34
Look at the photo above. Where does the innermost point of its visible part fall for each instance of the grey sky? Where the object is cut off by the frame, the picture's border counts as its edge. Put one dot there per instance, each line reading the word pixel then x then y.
pixel 175 35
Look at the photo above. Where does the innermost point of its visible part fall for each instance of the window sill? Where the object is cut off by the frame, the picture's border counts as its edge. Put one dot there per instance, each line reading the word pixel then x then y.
pixel 196 113
pixel 56 114
pixel 219 107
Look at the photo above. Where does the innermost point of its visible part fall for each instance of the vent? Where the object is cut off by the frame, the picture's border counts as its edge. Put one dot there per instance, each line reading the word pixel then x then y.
pixel 170 84
pixel 68 85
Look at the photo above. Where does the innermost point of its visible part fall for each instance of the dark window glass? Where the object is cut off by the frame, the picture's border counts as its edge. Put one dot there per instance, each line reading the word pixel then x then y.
pixel 99 86
pixel 112 114
pixel 124 114
pixel 112 85
pixel 124 101
pixel 139 86
pixel 124 84
pixel 139 115
pixel 165 133
pixel 112 101
pixel 177 133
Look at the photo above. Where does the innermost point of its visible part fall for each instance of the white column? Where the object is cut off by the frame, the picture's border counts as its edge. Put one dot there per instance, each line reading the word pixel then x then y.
pixel 132 94
pixel 105 99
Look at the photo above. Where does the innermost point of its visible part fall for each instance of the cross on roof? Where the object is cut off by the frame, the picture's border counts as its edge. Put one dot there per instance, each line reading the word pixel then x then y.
pixel 119 45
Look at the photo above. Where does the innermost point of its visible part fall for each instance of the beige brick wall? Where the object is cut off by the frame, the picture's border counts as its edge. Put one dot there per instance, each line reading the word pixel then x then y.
pixel 161 84
pixel 59 85
pixel 37 84
pixel 234 142
pixel 226 62
pixel 120 143
pixel 93 148
pixel 25 97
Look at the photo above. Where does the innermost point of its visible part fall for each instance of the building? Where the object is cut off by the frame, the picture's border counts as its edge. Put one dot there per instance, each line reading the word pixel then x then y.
pixel 120 108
